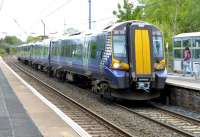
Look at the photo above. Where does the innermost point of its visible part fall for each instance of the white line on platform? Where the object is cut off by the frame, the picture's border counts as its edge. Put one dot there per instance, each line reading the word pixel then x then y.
pixel 64 117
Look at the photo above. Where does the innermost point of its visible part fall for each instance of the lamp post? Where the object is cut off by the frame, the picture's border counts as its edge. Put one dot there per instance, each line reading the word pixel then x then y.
pixel 89 1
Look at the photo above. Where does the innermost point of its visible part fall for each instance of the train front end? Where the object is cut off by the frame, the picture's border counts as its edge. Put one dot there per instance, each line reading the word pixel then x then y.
pixel 138 62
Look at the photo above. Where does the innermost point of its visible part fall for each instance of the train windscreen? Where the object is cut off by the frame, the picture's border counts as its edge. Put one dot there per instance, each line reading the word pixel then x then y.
pixel 119 47
pixel 157 46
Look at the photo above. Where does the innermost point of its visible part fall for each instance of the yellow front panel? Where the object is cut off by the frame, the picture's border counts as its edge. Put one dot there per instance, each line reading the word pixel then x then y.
pixel 138 49
pixel 147 52
pixel 142 52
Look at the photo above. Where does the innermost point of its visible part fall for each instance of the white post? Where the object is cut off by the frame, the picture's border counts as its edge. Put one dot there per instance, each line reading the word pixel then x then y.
pixel 167 47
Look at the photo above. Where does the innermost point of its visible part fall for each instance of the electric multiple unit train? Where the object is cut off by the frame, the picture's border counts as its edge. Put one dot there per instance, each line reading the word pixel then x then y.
pixel 125 60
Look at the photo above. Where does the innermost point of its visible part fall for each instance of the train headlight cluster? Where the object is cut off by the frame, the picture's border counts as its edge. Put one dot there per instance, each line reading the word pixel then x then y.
pixel 160 65
pixel 116 64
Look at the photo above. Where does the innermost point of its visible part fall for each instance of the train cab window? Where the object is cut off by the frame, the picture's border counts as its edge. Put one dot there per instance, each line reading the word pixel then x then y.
pixel 119 47
pixel 157 46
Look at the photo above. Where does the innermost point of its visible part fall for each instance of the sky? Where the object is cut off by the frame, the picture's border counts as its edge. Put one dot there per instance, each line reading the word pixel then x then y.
pixel 24 17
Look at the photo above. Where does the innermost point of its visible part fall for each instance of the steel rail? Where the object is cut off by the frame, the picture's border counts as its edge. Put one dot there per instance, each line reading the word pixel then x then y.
pixel 175 113
pixel 176 129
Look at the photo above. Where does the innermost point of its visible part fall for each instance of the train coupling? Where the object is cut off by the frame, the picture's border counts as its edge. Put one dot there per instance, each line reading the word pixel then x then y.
pixel 143 86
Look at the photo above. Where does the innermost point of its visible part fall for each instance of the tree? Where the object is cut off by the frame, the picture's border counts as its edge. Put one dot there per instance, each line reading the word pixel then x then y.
pixel 126 12
pixel 12 40
pixel 35 39
pixel 7 43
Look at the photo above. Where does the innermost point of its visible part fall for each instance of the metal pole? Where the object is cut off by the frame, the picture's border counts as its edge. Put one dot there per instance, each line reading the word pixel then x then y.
pixel 167 47
pixel 43 28
pixel 64 27
pixel 89 14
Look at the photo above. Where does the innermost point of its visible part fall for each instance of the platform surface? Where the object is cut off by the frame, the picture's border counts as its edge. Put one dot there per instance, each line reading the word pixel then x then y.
pixel 14 121
pixel 22 114
pixel 186 81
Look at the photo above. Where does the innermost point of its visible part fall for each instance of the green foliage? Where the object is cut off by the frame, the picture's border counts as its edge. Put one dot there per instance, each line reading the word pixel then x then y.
pixel 126 12
pixel 2 51
pixel 12 40
pixel 7 43
pixel 35 39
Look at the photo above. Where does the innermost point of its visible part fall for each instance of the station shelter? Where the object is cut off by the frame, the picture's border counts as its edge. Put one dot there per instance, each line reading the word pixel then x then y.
pixel 192 41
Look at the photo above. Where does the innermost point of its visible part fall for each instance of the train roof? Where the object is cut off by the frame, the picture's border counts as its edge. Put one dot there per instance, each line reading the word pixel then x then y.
pixel 137 22
pixel 191 34
pixel 78 35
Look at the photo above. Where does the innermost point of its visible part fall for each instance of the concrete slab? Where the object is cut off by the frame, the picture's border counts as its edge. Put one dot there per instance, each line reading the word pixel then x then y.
pixel 183 81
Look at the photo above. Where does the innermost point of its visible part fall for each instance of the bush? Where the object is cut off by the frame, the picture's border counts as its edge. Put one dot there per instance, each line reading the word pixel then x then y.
pixel 2 52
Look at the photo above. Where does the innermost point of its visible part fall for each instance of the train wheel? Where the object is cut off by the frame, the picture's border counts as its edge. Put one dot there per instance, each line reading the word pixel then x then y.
pixel 62 76
pixel 105 91
pixel 36 67
pixel 50 72
pixel 42 68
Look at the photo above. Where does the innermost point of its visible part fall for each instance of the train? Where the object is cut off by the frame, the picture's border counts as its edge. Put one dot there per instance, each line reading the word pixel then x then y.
pixel 125 60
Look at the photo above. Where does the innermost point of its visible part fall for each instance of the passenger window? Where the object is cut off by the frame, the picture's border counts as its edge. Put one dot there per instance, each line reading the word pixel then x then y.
pixel 76 48
pixel 186 43
pixel 196 43
pixel 178 53
pixel 177 44
pixel 93 47
pixel 196 54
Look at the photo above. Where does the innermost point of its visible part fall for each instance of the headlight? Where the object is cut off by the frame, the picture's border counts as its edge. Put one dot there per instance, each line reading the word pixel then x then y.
pixel 116 64
pixel 160 65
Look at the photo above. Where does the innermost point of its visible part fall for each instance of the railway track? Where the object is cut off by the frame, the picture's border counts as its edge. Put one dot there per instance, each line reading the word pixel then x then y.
pixel 91 122
pixel 182 124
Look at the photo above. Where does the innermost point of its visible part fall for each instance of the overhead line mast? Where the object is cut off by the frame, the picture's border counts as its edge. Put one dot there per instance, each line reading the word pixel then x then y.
pixel 1 4
pixel 89 14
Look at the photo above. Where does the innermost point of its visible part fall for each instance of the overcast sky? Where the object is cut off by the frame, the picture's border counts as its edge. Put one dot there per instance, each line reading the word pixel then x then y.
pixel 18 17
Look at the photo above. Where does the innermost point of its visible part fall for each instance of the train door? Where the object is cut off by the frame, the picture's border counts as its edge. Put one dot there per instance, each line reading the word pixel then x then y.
pixel 95 51
pixel 93 55
pixel 141 53
pixel 85 53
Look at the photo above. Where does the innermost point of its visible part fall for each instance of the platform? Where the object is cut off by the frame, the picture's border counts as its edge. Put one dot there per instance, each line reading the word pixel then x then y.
pixel 23 114
pixel 186 81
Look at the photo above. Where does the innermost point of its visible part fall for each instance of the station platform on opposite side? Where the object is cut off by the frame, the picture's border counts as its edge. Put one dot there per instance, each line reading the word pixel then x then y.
pixel 186 81
pixel 25 113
